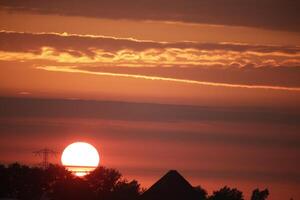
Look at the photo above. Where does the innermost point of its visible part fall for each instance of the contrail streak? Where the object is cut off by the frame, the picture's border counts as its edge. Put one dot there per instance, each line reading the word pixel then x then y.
pixel 158 78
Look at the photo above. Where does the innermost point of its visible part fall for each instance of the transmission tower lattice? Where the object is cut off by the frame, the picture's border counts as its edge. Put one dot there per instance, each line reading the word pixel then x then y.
pixel 45 154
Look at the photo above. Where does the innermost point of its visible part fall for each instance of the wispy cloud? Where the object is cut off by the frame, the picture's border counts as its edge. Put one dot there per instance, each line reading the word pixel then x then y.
pixel 157 78
pixel 109 51
pixel 242 63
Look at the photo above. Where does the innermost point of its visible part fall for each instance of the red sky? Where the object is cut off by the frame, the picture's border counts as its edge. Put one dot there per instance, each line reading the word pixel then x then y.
pixel 209 89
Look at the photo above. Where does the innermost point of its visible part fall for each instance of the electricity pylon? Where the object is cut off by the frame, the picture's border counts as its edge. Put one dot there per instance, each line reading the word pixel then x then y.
pixel 45 154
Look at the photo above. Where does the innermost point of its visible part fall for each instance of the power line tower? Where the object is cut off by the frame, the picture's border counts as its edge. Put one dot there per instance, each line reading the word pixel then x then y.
pixel 45 154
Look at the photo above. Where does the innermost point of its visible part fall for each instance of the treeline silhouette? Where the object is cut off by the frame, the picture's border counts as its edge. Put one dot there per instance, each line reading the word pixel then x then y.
pixel 56 183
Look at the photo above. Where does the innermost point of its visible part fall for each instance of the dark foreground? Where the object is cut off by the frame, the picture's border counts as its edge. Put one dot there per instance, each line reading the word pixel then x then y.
pixel 56 183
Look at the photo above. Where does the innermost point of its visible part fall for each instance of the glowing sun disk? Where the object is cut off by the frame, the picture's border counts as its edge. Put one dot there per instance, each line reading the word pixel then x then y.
pixel 80 158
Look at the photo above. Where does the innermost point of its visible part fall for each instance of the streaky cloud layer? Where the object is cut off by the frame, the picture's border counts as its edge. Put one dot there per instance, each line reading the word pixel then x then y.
pixel 224 64
pixel 266 14
pixel 208 87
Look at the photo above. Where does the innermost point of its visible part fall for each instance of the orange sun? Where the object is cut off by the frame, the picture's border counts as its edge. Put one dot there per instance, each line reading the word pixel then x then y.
pixel 80 158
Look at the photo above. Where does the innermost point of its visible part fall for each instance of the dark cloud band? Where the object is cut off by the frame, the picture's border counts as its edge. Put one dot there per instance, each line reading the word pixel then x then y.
pixel 59 108
pixel 267 14
pixel 20 41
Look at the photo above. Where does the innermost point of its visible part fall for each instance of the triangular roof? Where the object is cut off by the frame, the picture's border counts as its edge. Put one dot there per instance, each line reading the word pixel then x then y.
pixel 170 186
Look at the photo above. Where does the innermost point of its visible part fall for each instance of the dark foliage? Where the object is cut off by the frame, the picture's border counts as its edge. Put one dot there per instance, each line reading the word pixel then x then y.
pixel 260 195
pixel 201 193
pixel 56 183
pixel 227 193
pixel 108 184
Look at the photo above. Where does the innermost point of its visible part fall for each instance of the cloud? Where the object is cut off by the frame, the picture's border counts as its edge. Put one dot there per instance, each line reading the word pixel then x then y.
pixel 268 76
pixel 212 140
pixel 249 175
pixel 43 126
pixel 267 14
pixel 224 64
pixel 262 176
pixel 25 41
pixel 59 108
pixel 108 51
pixel 148 77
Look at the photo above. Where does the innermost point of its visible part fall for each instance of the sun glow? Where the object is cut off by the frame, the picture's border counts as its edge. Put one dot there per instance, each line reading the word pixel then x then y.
pixel 80 158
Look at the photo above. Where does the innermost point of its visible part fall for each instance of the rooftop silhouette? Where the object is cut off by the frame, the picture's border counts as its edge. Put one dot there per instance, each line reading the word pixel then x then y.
pixel 171 186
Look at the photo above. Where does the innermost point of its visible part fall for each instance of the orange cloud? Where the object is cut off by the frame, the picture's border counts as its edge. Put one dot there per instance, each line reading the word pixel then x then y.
pixel 111 49
pixel 225 64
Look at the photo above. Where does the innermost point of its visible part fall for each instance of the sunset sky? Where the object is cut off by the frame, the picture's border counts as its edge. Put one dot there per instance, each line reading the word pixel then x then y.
pixel 208 87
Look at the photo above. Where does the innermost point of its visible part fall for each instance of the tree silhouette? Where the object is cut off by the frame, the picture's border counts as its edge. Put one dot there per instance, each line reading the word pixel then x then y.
pixel 4 180
pixel 74 188
pixel 227 193
pixel 56 183
pixel 201 193
pixel 22 182
pixel 124 190
pixel 260 195
pixel 109 184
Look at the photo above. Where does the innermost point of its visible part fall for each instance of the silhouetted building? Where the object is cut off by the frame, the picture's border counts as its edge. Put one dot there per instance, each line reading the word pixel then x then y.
pixel 171 186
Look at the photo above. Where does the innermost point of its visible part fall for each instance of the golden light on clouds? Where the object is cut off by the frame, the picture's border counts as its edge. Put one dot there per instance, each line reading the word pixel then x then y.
pixel 214 83
pixel 168 57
